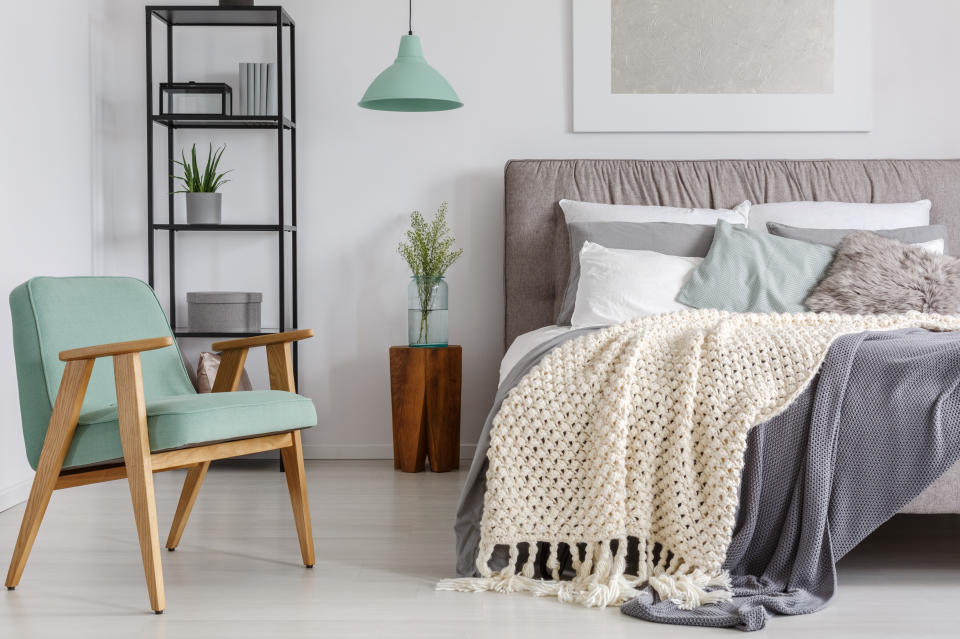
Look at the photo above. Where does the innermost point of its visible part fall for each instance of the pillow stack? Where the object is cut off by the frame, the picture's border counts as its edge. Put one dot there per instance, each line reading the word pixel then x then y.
pixel 668 231
pixel 631 261
pixel 667 238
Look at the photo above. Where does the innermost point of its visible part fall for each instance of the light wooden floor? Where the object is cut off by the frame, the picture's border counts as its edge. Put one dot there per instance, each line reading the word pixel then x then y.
pixel 383 539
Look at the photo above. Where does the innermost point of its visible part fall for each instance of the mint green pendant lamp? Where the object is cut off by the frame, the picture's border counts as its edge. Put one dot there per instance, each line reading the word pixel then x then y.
pixel 410 84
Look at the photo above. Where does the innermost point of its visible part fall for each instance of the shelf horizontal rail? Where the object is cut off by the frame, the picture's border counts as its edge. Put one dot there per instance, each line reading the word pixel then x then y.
pixel 183 331
pixel 287 228
pixel 213 121
pixel 213 16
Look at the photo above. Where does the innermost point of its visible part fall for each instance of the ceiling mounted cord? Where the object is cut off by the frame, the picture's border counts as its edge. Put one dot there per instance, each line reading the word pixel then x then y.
pixel 410 18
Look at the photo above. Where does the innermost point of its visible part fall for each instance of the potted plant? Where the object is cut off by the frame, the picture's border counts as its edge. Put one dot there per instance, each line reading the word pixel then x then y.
pixel 203 201
pixel 429 252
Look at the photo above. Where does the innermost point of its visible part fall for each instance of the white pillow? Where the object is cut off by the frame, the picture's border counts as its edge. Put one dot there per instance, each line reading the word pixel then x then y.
pixel 575 211
pixel 933 246
pixel 617 285
pixel 840 215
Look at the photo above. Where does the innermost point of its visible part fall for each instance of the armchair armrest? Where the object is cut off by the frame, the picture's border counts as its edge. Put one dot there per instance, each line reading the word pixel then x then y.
pixel 279 360
pixel 117 348
pixel 263 340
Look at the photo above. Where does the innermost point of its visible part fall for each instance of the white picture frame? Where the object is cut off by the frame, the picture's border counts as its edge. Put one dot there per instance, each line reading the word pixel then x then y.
pixel 596 108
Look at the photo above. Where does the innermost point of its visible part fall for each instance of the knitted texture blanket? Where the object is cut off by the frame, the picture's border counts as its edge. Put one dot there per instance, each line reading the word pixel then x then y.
pixel 638 431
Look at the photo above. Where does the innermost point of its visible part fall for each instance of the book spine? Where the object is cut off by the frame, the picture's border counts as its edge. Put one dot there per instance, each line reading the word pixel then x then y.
pixel 272 88
pixel 242 92
pixel 264 80
pixel 250 89
pixel 257 87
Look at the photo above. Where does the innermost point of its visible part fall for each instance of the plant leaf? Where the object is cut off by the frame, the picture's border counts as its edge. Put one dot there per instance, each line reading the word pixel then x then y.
pixel 196 181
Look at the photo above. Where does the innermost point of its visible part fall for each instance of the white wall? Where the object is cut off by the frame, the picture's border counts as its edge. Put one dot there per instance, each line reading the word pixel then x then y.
pixel 362 172
pixel 45 182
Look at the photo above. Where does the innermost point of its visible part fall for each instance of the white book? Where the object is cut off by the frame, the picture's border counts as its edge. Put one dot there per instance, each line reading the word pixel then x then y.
pixel 257 87
pixel 272 88
pixel 264 81
pixel 242 91
pixel 250 89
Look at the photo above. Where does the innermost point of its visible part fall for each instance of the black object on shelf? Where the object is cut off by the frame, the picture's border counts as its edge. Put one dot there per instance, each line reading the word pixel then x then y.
pixel 285 226
pixel 221 91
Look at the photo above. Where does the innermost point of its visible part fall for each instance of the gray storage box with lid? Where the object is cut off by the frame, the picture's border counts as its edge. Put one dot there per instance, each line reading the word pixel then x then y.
pixel 223 311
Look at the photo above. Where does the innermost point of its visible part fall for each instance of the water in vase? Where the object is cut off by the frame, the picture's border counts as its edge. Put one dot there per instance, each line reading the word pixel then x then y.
pixel 427 311
pixel 427 329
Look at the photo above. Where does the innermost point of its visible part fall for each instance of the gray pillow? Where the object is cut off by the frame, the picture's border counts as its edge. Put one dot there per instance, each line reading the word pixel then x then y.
pixel 749 271
pixel 670 238
pixel 873 274
pixel 832 237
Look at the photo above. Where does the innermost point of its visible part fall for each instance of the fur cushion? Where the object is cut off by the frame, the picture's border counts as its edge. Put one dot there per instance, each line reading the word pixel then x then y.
pixel 874 274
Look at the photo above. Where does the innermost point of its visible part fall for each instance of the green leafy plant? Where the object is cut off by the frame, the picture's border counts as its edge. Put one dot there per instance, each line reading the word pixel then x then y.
pixel 428 251
pixel 195 181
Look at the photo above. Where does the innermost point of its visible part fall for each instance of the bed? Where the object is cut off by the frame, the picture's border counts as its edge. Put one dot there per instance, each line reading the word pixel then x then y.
pixel 512 556
pixel 536 248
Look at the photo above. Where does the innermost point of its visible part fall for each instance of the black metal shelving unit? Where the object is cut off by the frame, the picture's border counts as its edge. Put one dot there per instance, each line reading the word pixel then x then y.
pixel 274 17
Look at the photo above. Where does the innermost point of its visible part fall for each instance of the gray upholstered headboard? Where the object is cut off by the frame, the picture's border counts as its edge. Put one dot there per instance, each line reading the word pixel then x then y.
pixel 536 250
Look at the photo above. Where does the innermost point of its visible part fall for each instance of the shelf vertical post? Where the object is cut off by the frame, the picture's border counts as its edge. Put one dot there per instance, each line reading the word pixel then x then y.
pixel 293 196
pixel 280 177
pixel 280 183
pixel 170 234
pixel 150 276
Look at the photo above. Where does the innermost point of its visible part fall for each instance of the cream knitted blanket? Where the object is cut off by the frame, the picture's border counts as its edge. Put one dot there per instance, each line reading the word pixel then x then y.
pixel 638 431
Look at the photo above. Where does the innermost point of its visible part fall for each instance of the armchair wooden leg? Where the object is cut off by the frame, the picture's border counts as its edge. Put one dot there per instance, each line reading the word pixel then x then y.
pixel 63 423
pixel 297 485
pixel 136 457
pixel 191 488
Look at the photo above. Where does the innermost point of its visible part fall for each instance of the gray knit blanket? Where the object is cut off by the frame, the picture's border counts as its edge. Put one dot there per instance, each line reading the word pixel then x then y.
pixel 879 424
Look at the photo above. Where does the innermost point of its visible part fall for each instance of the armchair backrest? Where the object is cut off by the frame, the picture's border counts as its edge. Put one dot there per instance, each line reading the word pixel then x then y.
pixel 52 314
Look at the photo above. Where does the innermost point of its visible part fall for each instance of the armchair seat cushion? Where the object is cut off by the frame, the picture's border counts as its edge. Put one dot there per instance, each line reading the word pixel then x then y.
pixel 182 421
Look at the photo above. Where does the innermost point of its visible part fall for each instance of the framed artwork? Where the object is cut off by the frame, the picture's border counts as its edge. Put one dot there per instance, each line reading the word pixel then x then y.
pixel 737 65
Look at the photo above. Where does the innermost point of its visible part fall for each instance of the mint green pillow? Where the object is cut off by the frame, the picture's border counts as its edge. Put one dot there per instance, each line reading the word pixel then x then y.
pixel 751 272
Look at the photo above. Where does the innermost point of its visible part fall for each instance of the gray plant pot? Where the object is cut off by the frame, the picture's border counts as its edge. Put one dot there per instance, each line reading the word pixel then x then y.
pixel 203 208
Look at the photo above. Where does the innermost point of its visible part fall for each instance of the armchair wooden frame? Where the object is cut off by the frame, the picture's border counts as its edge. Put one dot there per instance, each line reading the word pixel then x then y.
pixel 139 463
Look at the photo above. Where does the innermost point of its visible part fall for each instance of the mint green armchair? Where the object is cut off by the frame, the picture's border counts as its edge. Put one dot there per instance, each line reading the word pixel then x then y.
pixel 135 412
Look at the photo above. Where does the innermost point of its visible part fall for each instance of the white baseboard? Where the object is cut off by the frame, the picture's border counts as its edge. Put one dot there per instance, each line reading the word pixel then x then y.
pixel 13 495
pixel 18 493
pixel 364 451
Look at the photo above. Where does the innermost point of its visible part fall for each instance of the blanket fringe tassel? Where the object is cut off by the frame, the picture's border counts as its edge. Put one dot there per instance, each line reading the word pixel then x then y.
pixel 600 578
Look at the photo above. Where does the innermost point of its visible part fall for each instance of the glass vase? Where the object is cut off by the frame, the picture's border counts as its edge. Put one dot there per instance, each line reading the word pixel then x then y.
pixel 427 311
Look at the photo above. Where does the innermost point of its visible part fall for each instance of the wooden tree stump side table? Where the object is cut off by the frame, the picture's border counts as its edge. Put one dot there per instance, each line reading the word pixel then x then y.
pixel 425 394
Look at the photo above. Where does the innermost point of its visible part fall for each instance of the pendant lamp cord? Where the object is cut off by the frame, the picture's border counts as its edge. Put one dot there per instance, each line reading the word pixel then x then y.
pixel 410 18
